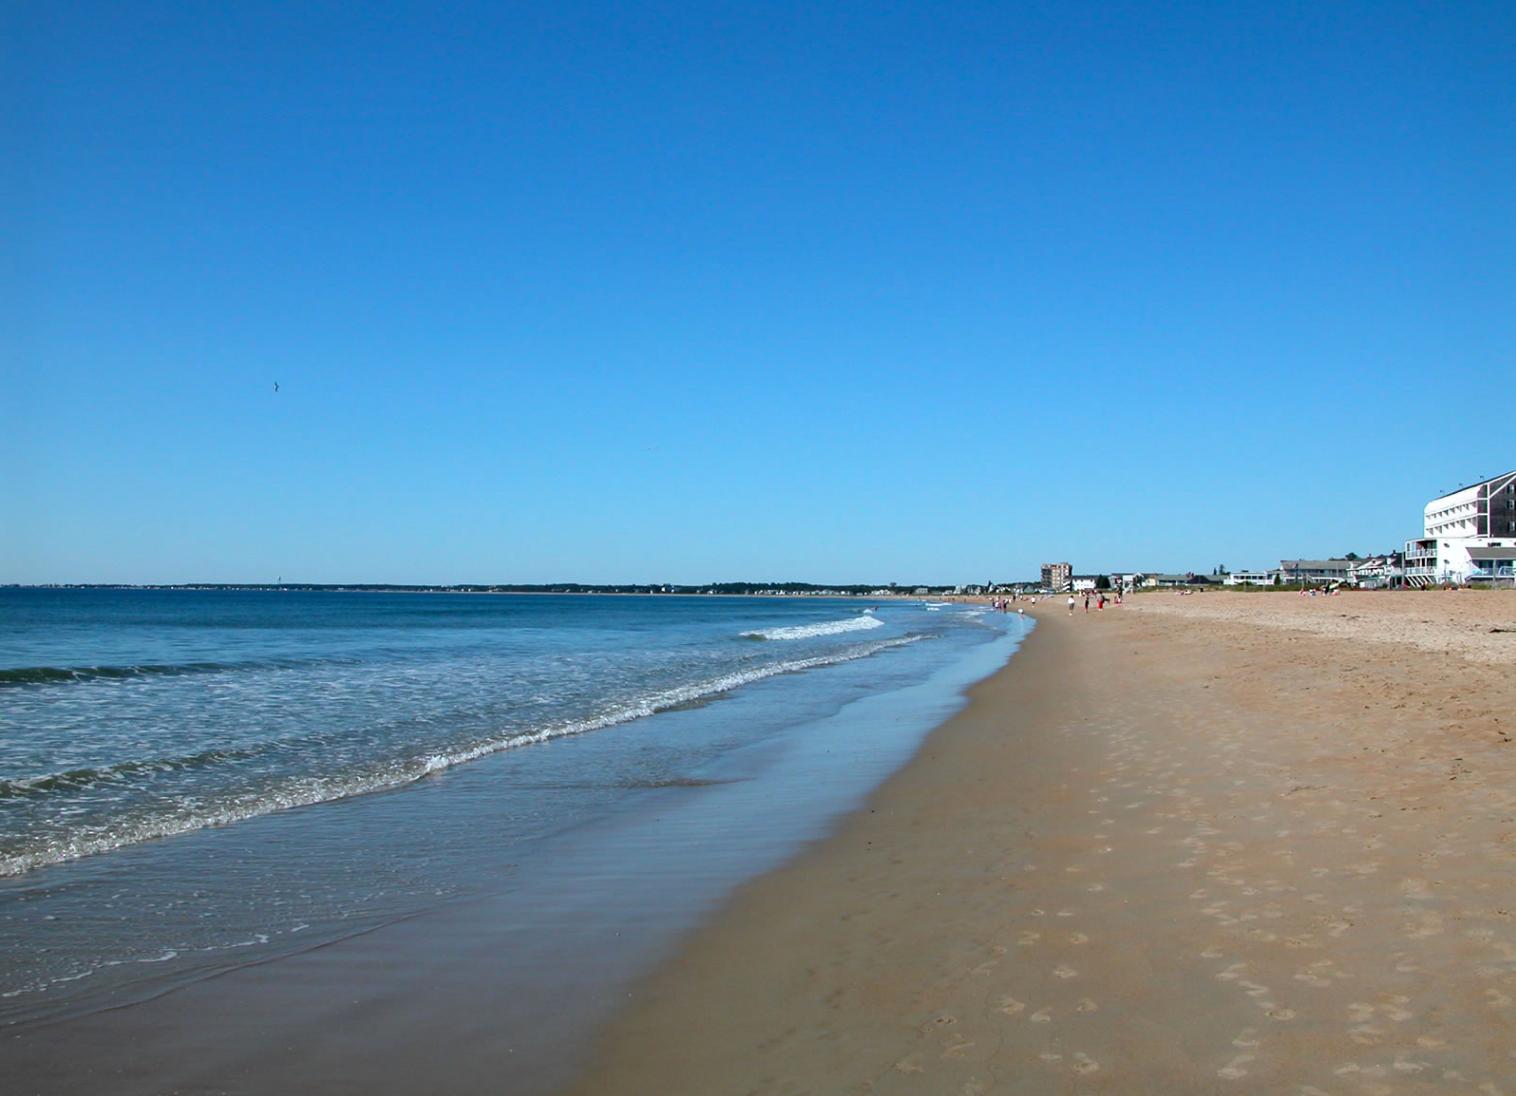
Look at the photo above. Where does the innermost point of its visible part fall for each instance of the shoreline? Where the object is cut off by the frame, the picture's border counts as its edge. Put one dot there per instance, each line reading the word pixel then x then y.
pixel 1158 851
pixel 517 977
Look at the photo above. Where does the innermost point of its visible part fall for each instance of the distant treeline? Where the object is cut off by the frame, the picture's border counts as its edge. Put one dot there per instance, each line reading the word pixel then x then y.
pixel 854 589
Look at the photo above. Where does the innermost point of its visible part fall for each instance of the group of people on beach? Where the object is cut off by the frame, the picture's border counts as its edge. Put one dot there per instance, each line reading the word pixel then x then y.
pixel 1003 605
pixel 1100 601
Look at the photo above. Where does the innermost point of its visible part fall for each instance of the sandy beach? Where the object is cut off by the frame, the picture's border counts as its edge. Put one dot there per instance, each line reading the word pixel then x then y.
pixel 1220 843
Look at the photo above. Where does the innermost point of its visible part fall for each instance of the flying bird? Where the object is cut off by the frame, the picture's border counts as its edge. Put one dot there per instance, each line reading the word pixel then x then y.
pixel 276 386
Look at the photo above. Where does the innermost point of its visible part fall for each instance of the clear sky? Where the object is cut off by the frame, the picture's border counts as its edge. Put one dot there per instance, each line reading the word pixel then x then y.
pixel 685 292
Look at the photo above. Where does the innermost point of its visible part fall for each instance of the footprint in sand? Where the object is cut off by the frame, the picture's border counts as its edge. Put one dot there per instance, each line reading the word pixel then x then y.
pixel 1012 1007
pixel 1086 1005
pixel 1078 938
pixel 1423 923
pixel 1041 1016
pixel 1083 1063
pixel 1233 1069
pixel 1028 938
pixel 1063 970
pixel 1366 1035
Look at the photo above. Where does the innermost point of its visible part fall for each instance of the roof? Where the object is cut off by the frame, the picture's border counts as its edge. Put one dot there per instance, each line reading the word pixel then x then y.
pixel 1492 553
pixel 1317 564
pixel 1476 483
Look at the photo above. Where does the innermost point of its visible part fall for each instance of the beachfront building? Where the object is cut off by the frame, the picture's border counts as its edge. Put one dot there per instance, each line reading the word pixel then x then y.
pixel 1376 572
pixel 1315 570
pixel 1250 578
pixel 1057 577
pixel 1468 535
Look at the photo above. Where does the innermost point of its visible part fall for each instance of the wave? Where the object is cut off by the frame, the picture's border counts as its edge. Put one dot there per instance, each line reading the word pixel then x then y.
pixel 56 675
pixel 186 817
pixel 862 623
pixel 34 787
pixel 19 676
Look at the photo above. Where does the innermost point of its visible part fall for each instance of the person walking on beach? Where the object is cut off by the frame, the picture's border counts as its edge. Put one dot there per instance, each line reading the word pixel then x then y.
pixel 1071 605
pixel 1086 601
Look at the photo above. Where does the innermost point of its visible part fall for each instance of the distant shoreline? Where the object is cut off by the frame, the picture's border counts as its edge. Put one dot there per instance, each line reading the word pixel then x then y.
pixel 717 590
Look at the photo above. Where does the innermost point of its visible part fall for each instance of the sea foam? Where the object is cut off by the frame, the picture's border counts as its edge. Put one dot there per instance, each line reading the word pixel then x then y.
pixel 862 623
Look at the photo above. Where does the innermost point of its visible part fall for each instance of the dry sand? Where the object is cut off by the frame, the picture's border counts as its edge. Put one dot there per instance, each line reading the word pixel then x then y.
pixel 1222 843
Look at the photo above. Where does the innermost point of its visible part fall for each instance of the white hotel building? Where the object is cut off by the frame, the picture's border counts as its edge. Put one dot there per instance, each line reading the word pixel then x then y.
pixel 1468 535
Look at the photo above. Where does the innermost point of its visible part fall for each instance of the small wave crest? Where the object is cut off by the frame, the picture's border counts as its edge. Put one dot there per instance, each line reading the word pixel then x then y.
pixel 62 675
pixel 862 623
pixel 16 677
pixel 71 780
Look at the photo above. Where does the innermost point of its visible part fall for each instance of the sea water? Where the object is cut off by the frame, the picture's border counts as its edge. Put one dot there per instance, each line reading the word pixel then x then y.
pixel 191 780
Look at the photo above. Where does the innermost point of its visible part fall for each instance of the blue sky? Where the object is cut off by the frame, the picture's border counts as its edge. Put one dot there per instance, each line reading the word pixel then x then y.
pixel 680 292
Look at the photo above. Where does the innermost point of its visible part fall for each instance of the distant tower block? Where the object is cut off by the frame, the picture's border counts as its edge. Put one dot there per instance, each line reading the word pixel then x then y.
pixel 1058 577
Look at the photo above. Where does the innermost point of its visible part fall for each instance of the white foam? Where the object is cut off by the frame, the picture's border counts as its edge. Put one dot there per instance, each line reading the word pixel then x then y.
pixel 861 623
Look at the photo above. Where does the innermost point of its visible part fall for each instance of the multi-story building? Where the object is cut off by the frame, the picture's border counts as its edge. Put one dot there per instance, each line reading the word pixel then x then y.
pixel 1057 577
pixel 1467 535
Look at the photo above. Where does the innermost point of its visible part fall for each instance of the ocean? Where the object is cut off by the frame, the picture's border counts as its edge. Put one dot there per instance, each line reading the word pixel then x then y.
pixel 193 782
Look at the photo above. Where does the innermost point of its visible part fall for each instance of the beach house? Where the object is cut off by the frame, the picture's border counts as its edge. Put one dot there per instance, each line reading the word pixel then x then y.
pixel 1467 535
pixel 1249 578
pixel 1376 572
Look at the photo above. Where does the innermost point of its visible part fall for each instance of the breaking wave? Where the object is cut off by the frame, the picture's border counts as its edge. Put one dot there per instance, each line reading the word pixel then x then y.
pixel 862 623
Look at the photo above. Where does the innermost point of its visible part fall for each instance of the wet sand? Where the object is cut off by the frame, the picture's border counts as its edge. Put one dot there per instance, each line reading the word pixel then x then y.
pixel 1221 843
